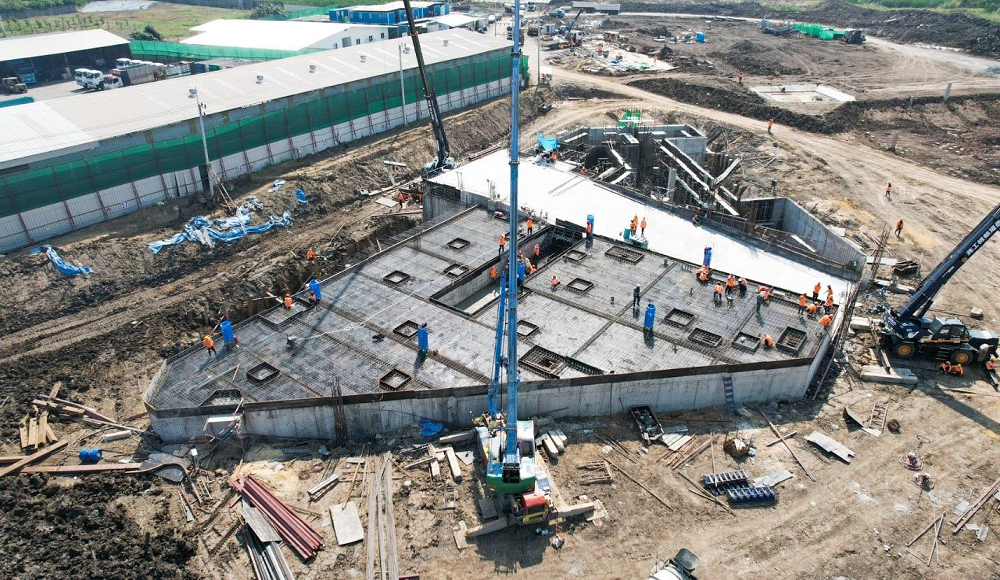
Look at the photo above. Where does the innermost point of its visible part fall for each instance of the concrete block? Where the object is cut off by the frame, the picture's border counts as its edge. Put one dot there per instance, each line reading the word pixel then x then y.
pixel 897 376
pixel 976 313
pixel 435 469
pixel 861 323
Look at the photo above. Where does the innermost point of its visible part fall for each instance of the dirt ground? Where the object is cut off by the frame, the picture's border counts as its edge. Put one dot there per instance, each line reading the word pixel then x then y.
pixel 958 138
pixel 102 336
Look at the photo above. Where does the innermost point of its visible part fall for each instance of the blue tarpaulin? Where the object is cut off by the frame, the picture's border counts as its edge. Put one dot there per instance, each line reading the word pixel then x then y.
pixel 548 143
pixel 300 196
pixel 429 428
pixel 200 229
pixel 60 264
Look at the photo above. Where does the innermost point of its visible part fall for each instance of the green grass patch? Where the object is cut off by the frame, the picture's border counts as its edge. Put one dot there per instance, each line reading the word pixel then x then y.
pixel 173 21
pixel 15 5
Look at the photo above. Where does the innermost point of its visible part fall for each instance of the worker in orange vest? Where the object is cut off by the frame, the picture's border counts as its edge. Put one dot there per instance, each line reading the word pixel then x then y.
pixel 991 364
pixel 770 125
pixel 741 78
pixel 888 191
pixel 812 308
pixel 957 370
pixel 730 284
pixel 945 367
pixel 493 273
pixel 209 346
pixel 825 321
pixel 555 281
pixel 767 341
pixel 589 229
pixel 718 294
pixel 503 242
pixel 828 305
pixel 743 284
pixel 642 225
pixel 538 251
pixel 829 291
pixel 288 301
pixel 765 292
pixel 899 228
pixel 802 303
pixel 703 274
pixel 816 290
pixel 531 268
pixel 310 254
pixel 531 225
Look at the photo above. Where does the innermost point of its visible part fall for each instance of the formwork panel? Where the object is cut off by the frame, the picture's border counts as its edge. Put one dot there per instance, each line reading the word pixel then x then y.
pixel 119 200
pixel 151 191
pixel 12 234
pixel 86 210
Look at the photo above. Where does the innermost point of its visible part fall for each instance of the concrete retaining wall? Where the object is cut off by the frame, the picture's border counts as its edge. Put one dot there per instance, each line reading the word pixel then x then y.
pixel 457 409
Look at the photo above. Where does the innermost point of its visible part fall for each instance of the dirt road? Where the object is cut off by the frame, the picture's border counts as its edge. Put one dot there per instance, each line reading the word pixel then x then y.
pixel 937 209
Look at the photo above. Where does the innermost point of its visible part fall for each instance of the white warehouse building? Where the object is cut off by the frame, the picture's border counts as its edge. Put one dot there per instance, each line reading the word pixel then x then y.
pixel 285 35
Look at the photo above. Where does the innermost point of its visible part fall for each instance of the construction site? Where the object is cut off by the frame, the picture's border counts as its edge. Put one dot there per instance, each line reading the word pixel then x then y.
pixel 455 306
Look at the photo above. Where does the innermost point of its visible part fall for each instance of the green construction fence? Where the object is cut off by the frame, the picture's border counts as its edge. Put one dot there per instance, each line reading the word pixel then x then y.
pixel 24 191
pixel 180 51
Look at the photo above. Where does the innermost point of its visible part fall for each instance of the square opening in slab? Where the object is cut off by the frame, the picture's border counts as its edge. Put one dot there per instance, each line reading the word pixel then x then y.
pixel 396 277
pixel 456 270
pixel 458 243
pixel 624 255
pixel 679 318
pixel 543 361
pixel 394 380
pixel 525 328
pixel 747 342
pixel 223 397
pixel 705 338
pixel 580 285
pixel 408 329
pixel 575 255
pixel 262 372
pixel 791 340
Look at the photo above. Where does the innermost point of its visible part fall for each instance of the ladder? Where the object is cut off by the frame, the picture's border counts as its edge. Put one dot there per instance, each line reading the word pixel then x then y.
pixel 727 385
pixel 227 201
pixel 879 413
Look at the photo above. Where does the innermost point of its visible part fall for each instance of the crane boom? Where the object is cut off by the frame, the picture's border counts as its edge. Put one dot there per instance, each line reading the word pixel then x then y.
pixel 512 462
pixel 924 295
pixel 905 332
pixel 443 159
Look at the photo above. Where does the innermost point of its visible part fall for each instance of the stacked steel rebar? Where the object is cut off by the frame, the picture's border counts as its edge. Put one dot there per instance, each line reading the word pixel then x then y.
pixel 299 536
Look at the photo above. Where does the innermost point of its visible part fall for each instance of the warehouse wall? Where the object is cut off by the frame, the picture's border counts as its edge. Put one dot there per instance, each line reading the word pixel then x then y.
pixel 131 172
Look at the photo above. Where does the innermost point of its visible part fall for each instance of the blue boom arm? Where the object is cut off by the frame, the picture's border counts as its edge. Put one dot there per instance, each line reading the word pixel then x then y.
pixel 493 397
pixel 511 461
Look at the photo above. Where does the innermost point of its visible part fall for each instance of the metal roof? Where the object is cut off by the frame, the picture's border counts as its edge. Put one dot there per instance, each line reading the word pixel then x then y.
pixel 107 114
pixel 23 124
pixel 390 6
pixel 36 45
pixel 274 34
pixel 455 20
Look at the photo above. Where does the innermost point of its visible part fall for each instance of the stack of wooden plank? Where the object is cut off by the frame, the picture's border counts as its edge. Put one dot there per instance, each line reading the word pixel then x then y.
pixel 34 429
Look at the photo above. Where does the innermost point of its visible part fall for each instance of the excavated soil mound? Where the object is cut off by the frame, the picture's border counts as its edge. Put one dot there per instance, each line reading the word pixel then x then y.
pixel 849 116
pixel 81 531
pixel 751 58
pixel 955 29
